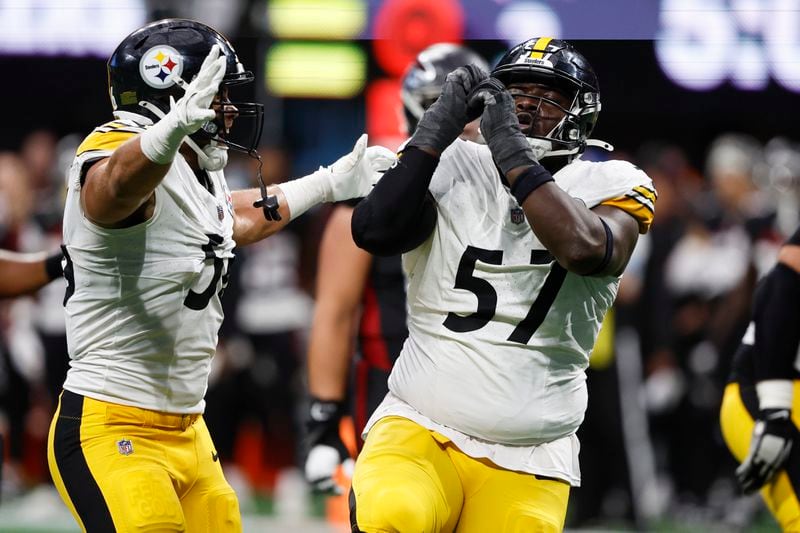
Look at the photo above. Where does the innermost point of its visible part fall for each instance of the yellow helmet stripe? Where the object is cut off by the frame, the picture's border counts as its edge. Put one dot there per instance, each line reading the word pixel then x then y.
pixel 540 46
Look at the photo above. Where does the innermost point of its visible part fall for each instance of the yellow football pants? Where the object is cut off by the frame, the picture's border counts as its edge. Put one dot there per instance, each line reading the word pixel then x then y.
pixel 129 470
pixel 736 418
pixel 410 479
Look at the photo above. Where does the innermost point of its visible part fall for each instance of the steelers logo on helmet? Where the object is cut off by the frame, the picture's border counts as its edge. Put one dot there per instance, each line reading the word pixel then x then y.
pixel 160 66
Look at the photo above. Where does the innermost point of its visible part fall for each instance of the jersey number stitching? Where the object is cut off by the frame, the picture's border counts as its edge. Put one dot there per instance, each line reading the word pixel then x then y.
pixel 487 295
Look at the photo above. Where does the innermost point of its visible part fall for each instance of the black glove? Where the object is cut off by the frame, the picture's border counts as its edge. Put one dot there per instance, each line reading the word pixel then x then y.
pixel 769 449
pixel 500 126
pixel 326 451
pixel 445 119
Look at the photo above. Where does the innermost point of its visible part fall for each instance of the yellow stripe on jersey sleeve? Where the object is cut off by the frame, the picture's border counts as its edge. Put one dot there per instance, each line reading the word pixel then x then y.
pixel 634 205
pixel 104 139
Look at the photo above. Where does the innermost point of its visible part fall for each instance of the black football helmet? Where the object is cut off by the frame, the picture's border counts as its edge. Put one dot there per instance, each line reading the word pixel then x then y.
pixel 556 63
pixel 423 80
pixel 151 64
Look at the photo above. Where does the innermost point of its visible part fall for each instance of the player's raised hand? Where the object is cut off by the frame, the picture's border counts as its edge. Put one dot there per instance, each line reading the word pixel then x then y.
pixel 161 142
pixel 193 109
pixel 445 119
pixel 354 175
pixel 769 449
pixel 500 126
pixel 326 451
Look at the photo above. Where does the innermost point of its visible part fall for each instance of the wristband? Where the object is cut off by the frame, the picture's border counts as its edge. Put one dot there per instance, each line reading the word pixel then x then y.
pixel 531 179
pixel 775 393
pixel 52 266
pixel 304 193
pixel 160 142
pixel 609 250
pixel 325 411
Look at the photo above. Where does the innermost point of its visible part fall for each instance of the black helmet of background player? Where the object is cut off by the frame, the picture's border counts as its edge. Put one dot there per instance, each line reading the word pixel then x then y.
pixel 557 64
pixel 152 63
pixel 424 79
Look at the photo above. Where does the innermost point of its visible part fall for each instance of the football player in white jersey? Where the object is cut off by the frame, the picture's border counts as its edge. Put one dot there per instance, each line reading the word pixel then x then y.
pixel 149 229
pixel 513 252
pixel 359 293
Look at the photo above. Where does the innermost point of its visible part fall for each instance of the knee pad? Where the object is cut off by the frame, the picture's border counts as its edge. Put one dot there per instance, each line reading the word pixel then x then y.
pixel 398 509
pixel 223 511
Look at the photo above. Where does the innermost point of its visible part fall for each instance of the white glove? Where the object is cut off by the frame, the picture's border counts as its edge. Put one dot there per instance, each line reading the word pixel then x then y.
pixel 161 142
pixel 354 175
pixel 351 176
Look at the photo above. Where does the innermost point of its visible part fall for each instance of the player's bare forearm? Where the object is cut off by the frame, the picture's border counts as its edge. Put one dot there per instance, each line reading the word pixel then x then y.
pixel 116 187
pixel 342 274
pixel 575 234
pixel 250 225
pixel 22 273
pixel 330 351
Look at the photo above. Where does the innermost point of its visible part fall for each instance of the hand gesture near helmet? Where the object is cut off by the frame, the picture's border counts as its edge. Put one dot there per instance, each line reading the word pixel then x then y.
pixel 161 142
pixel 500 126
pixel 444 121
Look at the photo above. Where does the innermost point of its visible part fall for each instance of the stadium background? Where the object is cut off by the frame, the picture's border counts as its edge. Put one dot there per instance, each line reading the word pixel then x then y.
pixel 676 76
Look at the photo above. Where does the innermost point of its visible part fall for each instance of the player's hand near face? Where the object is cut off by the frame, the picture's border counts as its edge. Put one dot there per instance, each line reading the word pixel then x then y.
pixel 161 142
pixel 500 126
pixel 444 121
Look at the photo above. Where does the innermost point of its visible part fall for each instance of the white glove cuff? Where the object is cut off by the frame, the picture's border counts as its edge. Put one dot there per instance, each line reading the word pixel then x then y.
pixel 161 141
pixel 304 193
pixel 775 393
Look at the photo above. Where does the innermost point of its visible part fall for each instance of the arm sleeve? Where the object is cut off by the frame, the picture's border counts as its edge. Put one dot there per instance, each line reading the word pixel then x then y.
pixel 399 214
pixel 776 313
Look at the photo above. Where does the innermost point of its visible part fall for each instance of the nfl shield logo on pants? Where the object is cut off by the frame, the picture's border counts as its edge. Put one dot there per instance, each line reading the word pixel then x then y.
pixel 125 446
pixel 517 215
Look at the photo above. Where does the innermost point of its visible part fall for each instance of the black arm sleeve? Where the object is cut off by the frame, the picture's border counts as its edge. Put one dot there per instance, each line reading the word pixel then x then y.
pixel 399 214
pixel 776 312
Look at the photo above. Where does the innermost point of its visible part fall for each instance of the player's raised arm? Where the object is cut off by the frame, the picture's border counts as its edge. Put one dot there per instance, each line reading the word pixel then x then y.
pixel 584 241
pixel 118 186
pixel 399 214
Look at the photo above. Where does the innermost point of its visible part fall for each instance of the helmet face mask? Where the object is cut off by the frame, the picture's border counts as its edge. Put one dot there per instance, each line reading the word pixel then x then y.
pixel 153 64
pixel 423 80
pixel 555 63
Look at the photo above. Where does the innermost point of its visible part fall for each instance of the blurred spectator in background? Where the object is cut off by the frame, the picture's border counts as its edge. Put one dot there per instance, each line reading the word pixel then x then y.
pixel 22 369
pixel 704 262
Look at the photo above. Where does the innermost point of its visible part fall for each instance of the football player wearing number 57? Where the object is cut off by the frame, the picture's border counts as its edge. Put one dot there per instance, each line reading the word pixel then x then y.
pixel 149 229
pixel 513 251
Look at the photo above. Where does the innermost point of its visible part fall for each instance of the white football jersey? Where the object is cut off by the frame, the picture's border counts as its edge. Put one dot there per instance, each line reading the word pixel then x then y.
pixel 143 303
pixel 500 334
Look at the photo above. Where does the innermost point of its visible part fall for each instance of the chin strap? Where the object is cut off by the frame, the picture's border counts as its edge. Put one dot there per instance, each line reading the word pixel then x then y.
pixel 268 202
